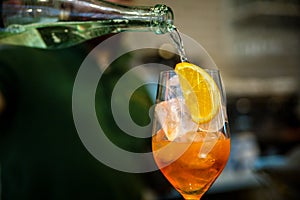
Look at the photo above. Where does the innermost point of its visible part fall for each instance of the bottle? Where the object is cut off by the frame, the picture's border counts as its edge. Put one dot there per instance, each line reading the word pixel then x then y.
pixel 53 24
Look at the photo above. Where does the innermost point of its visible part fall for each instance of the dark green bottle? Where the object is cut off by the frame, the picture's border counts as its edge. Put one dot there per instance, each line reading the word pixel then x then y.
pixel 52 24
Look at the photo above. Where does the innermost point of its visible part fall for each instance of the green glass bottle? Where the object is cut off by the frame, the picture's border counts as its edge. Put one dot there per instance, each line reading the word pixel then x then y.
pixel 53 24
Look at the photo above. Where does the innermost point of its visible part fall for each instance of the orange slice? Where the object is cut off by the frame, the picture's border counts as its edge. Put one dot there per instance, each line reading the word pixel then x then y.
pixel 201 94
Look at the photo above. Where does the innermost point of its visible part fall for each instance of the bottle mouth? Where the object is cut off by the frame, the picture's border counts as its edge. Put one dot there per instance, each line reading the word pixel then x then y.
pixel 164 19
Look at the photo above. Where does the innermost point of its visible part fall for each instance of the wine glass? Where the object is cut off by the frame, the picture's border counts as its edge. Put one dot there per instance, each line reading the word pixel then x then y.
pixel 190 155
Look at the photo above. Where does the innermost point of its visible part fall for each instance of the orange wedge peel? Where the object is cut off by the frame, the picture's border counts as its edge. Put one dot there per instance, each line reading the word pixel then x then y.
pixel 201 94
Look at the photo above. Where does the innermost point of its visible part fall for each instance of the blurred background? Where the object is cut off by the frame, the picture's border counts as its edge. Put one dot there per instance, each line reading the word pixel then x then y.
pixel 255 44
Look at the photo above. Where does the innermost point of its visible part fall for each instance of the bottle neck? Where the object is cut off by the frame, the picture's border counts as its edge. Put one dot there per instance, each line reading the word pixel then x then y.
pixel 158 19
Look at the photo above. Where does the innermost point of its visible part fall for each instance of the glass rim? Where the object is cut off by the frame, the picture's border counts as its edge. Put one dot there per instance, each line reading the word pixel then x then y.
pixel 173 71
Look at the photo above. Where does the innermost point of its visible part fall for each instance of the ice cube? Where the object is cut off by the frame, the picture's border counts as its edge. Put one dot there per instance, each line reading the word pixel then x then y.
pixel 212 129
pixel 174 81
pixel 209 142
pixel 194 162
pixel 216 123
pixel 174 118
pixel 171 152
pixel 174 88
pixel 202 163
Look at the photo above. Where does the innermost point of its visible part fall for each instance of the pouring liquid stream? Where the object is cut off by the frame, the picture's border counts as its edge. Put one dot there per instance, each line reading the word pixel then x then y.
pixel 176 38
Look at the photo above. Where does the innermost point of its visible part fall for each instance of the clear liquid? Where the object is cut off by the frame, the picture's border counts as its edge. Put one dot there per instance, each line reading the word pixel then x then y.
pixel 175 36
pixel 53 35
pixel 64 34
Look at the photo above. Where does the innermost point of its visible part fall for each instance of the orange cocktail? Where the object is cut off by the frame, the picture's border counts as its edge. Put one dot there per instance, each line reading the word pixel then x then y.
pixel 193 172
pixel 190 139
